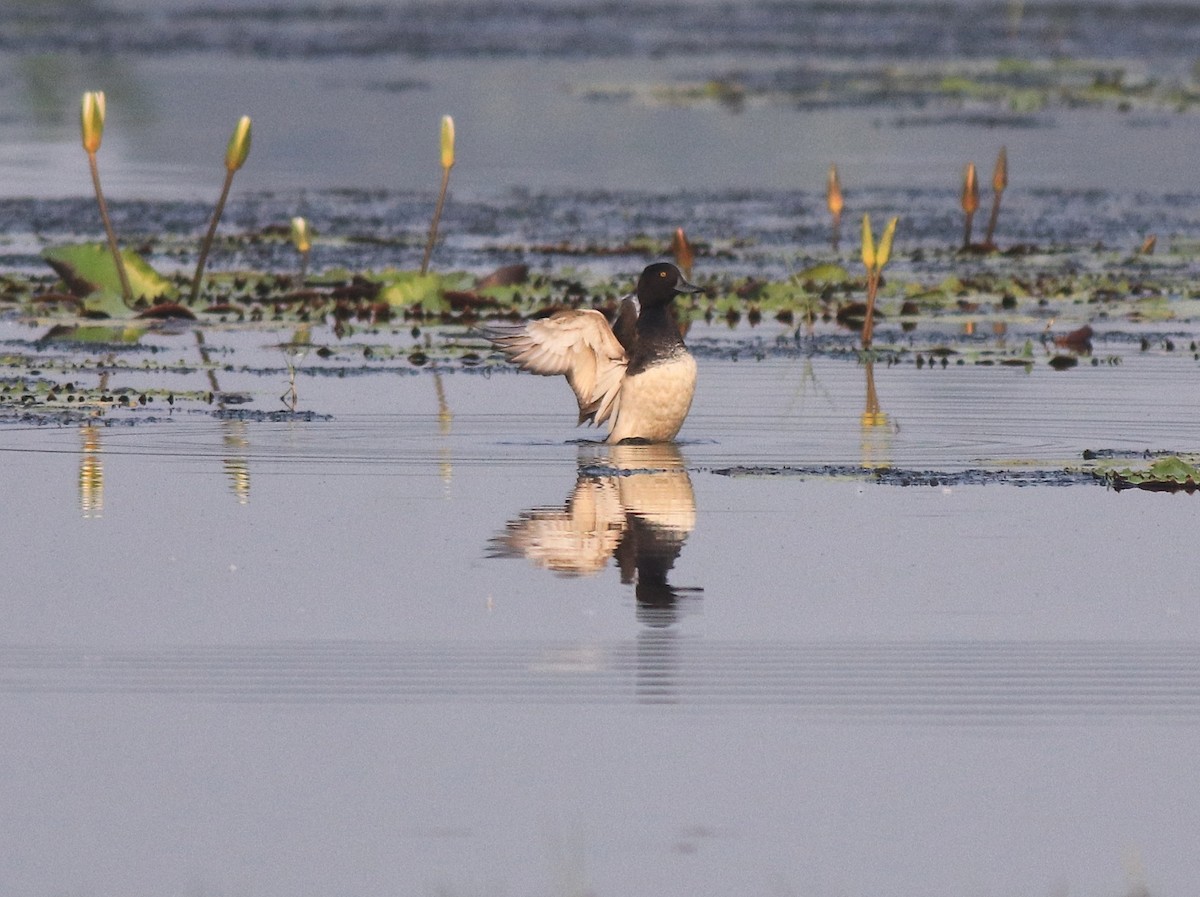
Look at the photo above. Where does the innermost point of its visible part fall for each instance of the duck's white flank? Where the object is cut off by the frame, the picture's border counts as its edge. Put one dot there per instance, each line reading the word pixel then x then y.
pixel 655 401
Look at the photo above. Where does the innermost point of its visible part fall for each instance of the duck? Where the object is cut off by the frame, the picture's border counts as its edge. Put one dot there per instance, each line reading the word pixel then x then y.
pixel 635 374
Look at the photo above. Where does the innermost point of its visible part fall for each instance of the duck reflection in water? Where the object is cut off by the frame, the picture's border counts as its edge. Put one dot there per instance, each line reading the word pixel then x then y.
pixel 631 502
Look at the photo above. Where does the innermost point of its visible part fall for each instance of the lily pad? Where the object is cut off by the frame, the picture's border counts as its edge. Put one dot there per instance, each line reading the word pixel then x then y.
pixel 413 290
pixel 93 334
pixel 1170 474
pixel 824 273
pixel 90 273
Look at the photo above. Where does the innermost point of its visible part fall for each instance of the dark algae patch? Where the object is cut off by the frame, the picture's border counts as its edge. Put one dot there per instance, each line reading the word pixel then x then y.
pixel 894 476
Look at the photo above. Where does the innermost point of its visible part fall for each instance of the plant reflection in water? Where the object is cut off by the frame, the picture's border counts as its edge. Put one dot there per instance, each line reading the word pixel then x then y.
pixel 631 503
pixel 91 472
pixel 876 427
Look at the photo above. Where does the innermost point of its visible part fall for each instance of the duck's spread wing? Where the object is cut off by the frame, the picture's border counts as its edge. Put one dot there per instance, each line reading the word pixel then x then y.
pixel 578 344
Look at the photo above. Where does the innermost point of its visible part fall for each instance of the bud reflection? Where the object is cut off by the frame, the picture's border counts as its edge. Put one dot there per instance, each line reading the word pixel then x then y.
pixel 631 503
pixel 876 435
pixel 445 419
pixel 236 462
pixel 91 473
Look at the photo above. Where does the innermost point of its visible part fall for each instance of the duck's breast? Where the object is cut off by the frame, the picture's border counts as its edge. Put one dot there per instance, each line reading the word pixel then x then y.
pixel 655 400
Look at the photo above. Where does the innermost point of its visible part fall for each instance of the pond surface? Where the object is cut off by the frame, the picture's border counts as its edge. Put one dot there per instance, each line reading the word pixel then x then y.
pixel 442 647
pixel 866 629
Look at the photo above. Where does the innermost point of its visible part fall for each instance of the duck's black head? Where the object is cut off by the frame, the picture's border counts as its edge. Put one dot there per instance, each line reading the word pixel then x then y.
pixel 660 283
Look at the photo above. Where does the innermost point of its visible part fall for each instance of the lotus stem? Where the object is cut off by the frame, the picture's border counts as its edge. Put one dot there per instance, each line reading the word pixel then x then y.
pixel 868 328
pixel 447 147
pixel 111 235
pixel 874 259
pixel 91 129
pixel 235 157
pixel 206 245
pixel 870 262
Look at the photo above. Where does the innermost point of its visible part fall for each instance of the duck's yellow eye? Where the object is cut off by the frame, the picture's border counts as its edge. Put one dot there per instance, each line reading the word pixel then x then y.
pixel 662 273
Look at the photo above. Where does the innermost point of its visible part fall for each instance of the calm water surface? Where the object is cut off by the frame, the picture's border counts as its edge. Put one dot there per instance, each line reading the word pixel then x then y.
pixel 441 649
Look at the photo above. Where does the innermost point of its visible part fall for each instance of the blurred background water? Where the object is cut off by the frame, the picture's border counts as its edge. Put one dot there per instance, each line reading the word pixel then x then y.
pixel 561 96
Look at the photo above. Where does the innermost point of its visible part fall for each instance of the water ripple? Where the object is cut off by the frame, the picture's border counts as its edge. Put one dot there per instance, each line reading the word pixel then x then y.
pixel 946 682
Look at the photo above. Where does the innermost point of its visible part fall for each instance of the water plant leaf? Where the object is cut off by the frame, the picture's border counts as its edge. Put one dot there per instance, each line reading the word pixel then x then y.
pixel 825 273
pixel 92 334
pixel 409 289
pixel 90 273
pixel 1169 474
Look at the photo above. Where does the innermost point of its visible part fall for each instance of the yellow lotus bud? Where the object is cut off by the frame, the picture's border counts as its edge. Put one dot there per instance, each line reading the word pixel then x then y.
pixel 970 193
pixel 301 238
pixel 1000 175
pixel 868 244
pixel 239 145
pixel 833 192
pixel 885 244
pixel 447 141
pixel 91 119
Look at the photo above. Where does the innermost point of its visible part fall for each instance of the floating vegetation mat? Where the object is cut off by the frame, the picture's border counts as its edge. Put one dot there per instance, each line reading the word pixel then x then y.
pixel 1073 283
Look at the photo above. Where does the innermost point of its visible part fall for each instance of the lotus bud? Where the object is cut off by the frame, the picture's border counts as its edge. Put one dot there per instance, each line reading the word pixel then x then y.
pixel 868 244
pixel 447 141
pixel 885 244
pixel 239 145
pixel 1000 175
pixel 91 119
pixel 833 193
pixel 682 250
pixel 970 193
pixel 301 238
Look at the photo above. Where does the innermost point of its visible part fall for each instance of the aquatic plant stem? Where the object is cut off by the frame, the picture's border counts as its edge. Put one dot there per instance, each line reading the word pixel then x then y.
pixel 875 259
pixel 126 291
pixel 868 328
pixel 212 230
pixel 437 217
pixel 992 219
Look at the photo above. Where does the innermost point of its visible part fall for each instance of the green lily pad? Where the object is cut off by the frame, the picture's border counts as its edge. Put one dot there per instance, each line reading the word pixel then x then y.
pixel 408 289
pixel 411 289
pixel 93 334
pixel 90 273
pixel 826 273
pixel 1170 474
